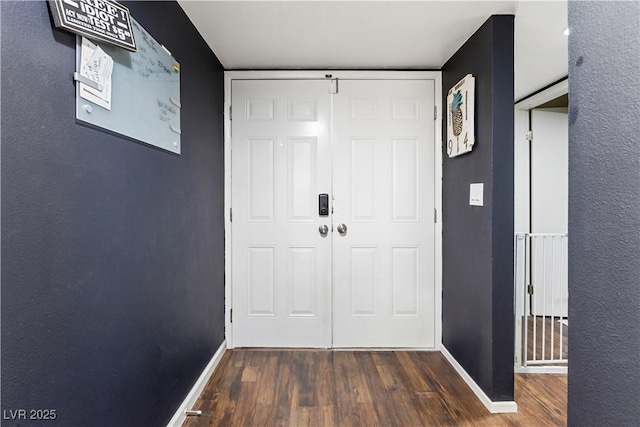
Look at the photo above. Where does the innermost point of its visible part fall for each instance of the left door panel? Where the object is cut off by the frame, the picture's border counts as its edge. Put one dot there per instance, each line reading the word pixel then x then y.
pixel 281 265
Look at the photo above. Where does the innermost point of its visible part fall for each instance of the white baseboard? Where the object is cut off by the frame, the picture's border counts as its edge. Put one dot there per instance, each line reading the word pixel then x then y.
pixel 493 407
pixel 416 349
pixel 180 416
pixel 541 369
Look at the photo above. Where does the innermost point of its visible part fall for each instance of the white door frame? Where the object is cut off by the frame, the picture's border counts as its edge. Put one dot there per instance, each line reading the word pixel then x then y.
pixel 335 74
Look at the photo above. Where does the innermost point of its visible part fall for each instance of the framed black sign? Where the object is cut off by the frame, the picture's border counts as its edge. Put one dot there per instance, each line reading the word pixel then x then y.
pixel 102 20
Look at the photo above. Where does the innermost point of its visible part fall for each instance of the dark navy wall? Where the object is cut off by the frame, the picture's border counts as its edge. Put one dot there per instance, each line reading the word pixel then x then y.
pixel 112 251
pixel 604 213
pixel 477 288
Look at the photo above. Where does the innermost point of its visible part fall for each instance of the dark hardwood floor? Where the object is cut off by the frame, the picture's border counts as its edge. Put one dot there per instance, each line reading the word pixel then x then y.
pixel 363 388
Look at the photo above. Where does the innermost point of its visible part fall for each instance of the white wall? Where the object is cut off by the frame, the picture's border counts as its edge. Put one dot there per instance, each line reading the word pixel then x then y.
pixel 549 170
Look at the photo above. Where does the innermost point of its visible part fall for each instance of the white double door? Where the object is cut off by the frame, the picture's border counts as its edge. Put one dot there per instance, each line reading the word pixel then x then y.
pixel 370 148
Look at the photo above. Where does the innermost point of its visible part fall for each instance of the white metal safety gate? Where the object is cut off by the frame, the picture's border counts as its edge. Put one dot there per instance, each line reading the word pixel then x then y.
pixel 541 302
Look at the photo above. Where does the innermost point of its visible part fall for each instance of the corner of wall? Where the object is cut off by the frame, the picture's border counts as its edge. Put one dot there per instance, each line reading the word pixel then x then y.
pixel 480 284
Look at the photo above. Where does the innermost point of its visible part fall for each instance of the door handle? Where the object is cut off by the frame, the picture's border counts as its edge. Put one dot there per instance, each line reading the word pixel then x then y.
pixel 324 230
pixel 342 229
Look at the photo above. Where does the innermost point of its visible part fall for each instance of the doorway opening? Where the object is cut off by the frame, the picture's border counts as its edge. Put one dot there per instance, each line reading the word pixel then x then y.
pixel 332 189
pixel 541 237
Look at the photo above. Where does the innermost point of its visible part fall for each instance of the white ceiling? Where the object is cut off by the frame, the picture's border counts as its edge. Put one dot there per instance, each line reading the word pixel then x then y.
pixel 542 54
pixel 377 34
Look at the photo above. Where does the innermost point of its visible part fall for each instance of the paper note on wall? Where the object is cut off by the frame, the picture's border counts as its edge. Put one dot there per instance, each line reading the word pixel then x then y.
pixel 96 66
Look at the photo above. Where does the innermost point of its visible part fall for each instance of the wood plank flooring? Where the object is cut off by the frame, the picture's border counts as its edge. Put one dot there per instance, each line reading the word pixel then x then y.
pixel 363 388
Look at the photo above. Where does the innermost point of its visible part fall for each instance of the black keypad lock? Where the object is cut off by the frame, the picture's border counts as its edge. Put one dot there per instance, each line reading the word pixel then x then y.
pixel 323 204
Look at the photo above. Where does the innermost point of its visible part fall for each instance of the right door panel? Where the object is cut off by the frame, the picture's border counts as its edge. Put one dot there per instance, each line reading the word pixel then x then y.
pixel 383 182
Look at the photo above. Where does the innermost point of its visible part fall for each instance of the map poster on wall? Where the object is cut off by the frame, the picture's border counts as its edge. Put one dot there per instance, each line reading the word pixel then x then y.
pixel 461 117
pixel 102 20
pixel 134 94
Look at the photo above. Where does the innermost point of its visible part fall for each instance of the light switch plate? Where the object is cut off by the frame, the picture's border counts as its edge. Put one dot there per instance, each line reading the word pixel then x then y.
pixel 476 193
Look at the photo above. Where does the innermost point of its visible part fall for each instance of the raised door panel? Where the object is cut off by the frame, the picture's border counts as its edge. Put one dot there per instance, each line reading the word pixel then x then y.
pixel 260 109
pixel 405 284
pixel 261 179
pixel 363 278
pixel 363 179
pixel 261 270
pixel 405 179
pixel 302 110
pixel 302 282
pixel 302 186
pixel 404 109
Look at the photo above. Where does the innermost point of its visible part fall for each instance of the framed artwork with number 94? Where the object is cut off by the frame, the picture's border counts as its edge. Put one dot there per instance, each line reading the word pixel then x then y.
pixel 460 117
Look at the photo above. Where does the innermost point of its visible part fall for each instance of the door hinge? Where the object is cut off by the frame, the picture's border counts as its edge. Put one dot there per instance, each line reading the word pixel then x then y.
pixel 230 214
pixel 231 316
pixel 435 216
pixel 530 289
pixel 230 112
pixel 334 86
pixel 435 112
pixel 529 135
